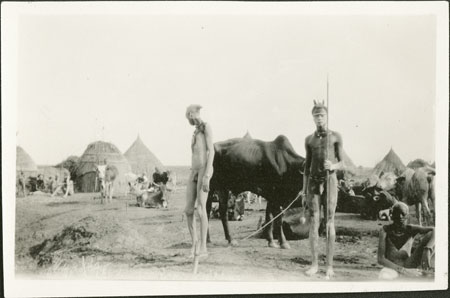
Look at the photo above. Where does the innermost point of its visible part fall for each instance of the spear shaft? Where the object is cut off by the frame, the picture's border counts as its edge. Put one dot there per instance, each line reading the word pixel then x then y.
pixel 327 155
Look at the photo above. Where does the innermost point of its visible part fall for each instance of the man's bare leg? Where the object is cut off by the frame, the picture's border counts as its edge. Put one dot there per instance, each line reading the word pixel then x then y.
pixel 191 195
pixel 202 197
pixel 314 214
pixel 331 233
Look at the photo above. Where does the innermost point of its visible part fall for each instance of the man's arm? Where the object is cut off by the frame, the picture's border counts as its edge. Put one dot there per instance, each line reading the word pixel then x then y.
pixel 337 145
pixel 210 156
pixel 415 229
pixel 382 260
pixel 307 169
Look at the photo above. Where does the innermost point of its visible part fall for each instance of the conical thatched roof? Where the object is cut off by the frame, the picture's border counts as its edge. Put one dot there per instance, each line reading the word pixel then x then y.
pixel 247 135
pixel 142 159
pixel 100 153
pixel 390 163
pixel 24 162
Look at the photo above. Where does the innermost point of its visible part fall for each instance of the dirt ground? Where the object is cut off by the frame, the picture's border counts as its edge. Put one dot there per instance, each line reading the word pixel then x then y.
pixel 77 237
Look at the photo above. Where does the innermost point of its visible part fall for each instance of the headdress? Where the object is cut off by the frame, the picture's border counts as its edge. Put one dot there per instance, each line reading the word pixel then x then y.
pixel 319 108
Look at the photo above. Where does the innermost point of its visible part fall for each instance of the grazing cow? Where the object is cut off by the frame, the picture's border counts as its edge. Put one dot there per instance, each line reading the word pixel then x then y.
pixel 415 187
pixel 106 174
pixel 270 169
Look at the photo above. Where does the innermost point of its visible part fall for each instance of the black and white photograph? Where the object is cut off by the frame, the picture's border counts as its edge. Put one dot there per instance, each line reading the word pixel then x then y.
pixel 163 148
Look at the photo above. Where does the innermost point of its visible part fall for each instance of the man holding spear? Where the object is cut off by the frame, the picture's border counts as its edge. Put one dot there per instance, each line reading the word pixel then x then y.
pixel 323 158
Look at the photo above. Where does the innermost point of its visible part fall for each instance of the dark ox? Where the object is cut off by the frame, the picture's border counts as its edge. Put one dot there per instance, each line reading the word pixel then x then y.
pixel 272 170
pixel 370 202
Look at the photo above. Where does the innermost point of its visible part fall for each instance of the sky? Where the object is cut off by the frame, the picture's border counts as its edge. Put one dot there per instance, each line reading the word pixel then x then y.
pixel 83 78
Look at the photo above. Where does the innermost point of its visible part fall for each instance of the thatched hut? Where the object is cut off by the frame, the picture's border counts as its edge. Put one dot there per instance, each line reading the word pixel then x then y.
pixel 247 136
pixel 101 153
pixel 24 163
pixel 141 159
pixel 390 163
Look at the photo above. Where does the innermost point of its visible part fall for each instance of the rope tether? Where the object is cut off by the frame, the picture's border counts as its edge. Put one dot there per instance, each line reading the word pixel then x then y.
pixel 281 213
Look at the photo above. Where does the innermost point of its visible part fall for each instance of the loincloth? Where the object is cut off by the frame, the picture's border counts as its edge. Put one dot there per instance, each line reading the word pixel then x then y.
pixel 318 185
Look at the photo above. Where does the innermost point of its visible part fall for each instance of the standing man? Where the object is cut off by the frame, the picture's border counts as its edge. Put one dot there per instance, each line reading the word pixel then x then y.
pixel 22 184
pixel 198 183
pixel 323 154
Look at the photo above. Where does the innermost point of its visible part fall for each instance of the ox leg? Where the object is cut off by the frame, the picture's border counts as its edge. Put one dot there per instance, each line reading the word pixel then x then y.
pixel 431 196
pixel 284 244
pixel 426 209
pixel 208 213
pixel 419 212
pixel 269 228
pixel 111 190
pixel 223 210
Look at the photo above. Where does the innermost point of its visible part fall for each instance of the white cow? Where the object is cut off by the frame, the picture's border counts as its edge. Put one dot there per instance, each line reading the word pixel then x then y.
pixel 106 174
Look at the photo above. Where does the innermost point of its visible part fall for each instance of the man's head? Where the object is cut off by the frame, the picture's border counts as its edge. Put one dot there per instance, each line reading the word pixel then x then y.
pixel 193 114
pixel 319 113
pixel 400 212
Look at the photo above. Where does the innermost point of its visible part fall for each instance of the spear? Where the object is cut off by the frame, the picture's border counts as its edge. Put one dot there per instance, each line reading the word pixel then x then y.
pixel 327 155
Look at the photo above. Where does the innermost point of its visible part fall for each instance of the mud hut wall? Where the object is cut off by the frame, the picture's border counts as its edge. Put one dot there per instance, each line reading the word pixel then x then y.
pixel 86 182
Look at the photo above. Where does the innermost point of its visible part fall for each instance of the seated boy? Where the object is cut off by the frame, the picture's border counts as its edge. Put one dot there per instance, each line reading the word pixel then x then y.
pixel 395 245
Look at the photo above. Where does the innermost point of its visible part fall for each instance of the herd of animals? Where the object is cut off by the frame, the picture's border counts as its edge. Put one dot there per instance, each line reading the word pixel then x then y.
pixel 274 171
